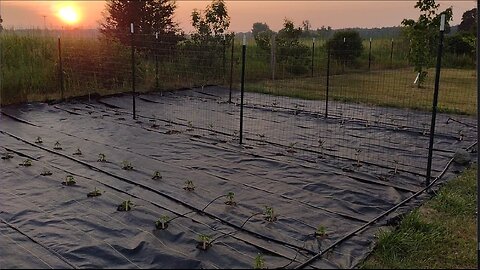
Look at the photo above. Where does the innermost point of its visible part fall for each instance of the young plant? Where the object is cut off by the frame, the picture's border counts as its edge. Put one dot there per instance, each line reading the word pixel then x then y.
pixel 7 156
pixel 204 241
pixel 189 186
pixel 94 193
pixel 126 165
pixel 367 124
pixel 269 214
pixel 291 147
pixel 259 262
pixel 321 145
pixel 69 181
pixel 39 140
pixel 57 146
pixel 396 166
pixel 46 172
pixel 425 129
pixel 460 135
pixel 190 126
pixel 157 175
pixel 78 152
pixel 26 163
pixel 125 206
pixel 162 222
pixel 210 126
pixel 154 124
pixel 321 232
pixel 230 199
pixel 101 158
pixel 357 157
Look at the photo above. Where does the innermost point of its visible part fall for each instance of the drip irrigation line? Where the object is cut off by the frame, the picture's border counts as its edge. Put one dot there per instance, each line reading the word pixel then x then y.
pixel 460 122
pixel 336 243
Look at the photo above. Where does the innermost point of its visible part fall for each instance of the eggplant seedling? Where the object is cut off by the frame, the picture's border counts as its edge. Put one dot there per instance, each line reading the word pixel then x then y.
pixel 162 222
pixel 46 172
pixel 57 146
pixel 230 199
pixel 157 175
pixel 189 186
pixel 94 193
pixel 125 206
pixel 126 165
pixel 321 232
pixel 259 262
pixel 26 163
pixel 78 152
pixel 101 158
pixel 69 181
pixel 7 156
pixel 39 140
pixel 269 214
pixel 204 241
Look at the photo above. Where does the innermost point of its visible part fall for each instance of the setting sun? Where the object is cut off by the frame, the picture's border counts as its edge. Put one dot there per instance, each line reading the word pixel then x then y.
pixel 68 14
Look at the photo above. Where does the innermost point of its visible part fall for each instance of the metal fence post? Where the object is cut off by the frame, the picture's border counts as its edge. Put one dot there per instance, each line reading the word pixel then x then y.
pixel 231 69
pixel 370 54
pixel 242 88
pixel 435 100
pixel 133 70
pixel 313 54
pixel 272 56
pixel 391 55
pixel 328 81
pixel 224 60
pixel 60 68
pixel 156 62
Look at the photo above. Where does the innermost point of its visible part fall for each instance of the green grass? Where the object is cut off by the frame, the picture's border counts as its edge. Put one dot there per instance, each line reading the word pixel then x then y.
pixel 441 234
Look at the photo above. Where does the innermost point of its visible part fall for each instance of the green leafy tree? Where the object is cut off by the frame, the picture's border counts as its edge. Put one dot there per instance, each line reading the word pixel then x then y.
pixel 345 45
pixel 293 54
pixel 212 24
pixel 262 35
pixel 469 22
pixel 149 17
pixel 461 44
pixel 423 34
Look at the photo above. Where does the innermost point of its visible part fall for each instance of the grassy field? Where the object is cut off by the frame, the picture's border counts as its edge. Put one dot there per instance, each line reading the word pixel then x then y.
pixel 442 234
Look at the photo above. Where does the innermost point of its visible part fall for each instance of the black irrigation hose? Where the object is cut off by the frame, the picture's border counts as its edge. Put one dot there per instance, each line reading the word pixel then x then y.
pixel 336 243
pixel 261 236
pixel 460 122
pixel 40 244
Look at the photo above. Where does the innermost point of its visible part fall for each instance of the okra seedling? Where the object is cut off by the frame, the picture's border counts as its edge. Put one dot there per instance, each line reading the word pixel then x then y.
pixel 230 199
pixel 78 152
pixel 204 241
pixel 69 181
pixel 7 156
pixel 39 140
pixel 162 222
pixel 101 158
pixel 125 206
pixel 94 193
pixel 189 185
pixel 57 146
pixel 259 262
pixel 321 231
pixel 269 214
pixel 26 163
pixel 126 165
pixel 157 175
pixel 46 172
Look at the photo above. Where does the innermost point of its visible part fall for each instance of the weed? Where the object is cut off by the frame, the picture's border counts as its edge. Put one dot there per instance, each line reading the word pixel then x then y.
pixel 231 199
pixel 204 241
pixel 101 158
pixel 157 175
pixel 126 165
pixel 46 172
pixel 57 146
pixel 7 156
pixel 321 232
pixel 189 186
pixel 269 214
pixel 94 193
pixel 259 262
pixel 125 206
pixel 162 222
pixel 39 140
pixel 26 163
pixel 78 152
pixel 69 181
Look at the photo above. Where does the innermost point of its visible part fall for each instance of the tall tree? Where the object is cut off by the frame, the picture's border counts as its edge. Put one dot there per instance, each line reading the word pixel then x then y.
pixel 212 24
pixel 345 45
pixel 262 35
pixel 469 21
pixel 149 17
pixel 423 34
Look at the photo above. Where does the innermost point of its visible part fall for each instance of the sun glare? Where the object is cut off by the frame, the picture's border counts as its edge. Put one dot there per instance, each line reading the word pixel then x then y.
pixel 68 14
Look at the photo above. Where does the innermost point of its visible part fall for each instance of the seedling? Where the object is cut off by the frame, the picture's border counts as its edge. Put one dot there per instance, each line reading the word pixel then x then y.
pixel 231 199
pixel 189 186
pixel 367 123
pixel 125 206
pixel 26 163
pixel 190 126
pixel 78 152
pixel 425 130
pixel 210 126
pixel 259 262
pixel 321 144
pixel 460 135
pixel 290 147
pixel 46 172
pixel 396 166
pixel 296 111
pixel 157 175
pixel 357 156
pixel 262 136
pixel 39 140
pixel 154 124
pixel 321 232
pixel 101 158
pixel 126 165
pixel 162 222
pixel 94 193
pixel 274 103
pixel 7 156
pixel 269 214
pixel 204 241
pixel 57 146
pixel 69 181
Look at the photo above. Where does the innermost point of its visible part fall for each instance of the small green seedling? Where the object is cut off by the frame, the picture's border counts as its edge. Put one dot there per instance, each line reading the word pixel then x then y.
pixel 291 147
pixel 57 146
pixel 460 135
pixel 396 166
pixel 189 186
pixel 46 172
pixel 259 262
pixel 94 193
pixel 39 140
pixel 321 232
pixel 7 156
pixel 69 181
pixel 26 163
pixel 125 206
pixel 157 175
pixel 210 126
pixel 78 152
pixel 269 214
pixel 101 158
pixel 162 222
pixel 230 199
pixel 204 241
pixel 126 165
pixel 357 156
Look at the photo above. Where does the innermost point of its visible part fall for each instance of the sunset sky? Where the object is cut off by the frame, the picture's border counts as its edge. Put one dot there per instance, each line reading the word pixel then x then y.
pixel 337 14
